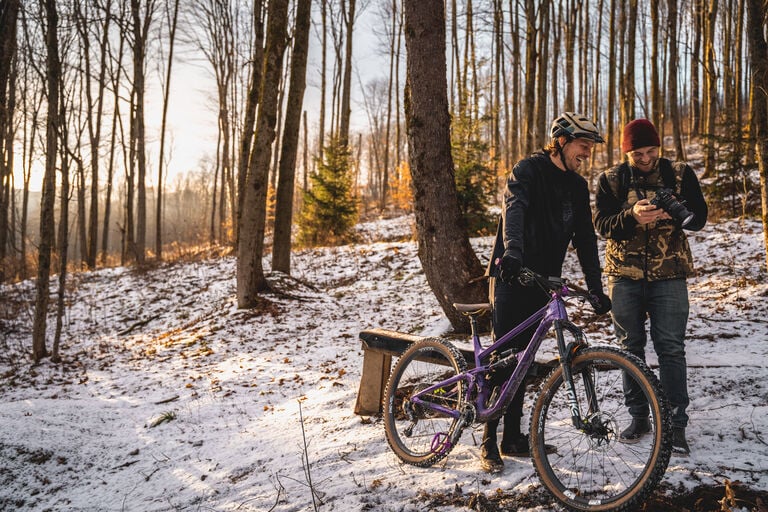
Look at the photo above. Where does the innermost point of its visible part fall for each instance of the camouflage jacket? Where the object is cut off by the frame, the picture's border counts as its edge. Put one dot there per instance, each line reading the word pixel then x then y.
pixel 654 251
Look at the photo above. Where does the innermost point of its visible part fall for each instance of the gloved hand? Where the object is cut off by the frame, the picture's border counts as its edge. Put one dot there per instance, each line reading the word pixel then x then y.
pixel 510 268
pixel 599 301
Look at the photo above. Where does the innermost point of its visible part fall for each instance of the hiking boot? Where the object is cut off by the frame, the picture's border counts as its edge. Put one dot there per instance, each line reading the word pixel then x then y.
pixel 679 444
pixel 490 460
pixel 519 447
pixel 636 430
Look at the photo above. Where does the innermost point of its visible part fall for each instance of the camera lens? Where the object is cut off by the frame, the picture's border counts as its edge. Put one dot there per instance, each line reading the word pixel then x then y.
pixel 666 200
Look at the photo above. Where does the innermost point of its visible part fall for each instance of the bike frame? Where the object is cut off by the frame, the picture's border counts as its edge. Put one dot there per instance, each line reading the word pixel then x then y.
pixel 552 314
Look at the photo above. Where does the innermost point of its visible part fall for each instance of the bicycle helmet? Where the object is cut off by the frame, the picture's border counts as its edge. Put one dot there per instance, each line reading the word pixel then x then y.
pixel 574 125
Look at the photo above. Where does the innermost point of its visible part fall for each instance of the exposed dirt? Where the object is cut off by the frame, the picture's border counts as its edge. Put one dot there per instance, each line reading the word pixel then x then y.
pixel 724 498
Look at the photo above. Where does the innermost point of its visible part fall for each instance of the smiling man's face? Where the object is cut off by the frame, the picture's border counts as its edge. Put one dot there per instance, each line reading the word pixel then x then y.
pixel 577 151
pixel 644 158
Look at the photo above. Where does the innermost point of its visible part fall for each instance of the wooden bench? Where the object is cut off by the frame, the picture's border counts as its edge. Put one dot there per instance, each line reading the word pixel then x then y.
pixel 379 346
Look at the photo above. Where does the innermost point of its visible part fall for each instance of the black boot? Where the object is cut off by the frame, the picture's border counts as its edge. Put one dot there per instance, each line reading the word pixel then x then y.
pixel 490 460
pixel 679 444
pixel 636 430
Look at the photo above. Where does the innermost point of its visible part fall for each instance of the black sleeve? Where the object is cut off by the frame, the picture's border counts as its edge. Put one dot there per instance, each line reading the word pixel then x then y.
pixel 585 241
pixel 690 190
pixel 516 201
pixel 611 219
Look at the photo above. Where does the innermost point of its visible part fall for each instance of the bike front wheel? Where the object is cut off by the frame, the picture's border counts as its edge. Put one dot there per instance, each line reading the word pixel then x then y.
pixel 590 468
pixel 417 433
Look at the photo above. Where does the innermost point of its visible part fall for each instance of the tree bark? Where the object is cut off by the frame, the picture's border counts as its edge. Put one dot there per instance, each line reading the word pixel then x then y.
pixel 448 260
pixel 674 109
pixel 711 96
pixel 758 50
pixel 250 272
pixel 531 58
pixel 8 20
pixel 252 101
pixel 47 224
pixel 281 249
pixel 346 90
pixel 172 22
pixel 115 80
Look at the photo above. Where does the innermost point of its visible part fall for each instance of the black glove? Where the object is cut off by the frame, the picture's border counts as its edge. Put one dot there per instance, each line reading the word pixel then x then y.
pixel 510 268
pixel 599 301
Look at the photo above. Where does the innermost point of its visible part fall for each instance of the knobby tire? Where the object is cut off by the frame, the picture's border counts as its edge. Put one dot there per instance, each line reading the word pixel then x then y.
pixel 418 435
pixel 594 471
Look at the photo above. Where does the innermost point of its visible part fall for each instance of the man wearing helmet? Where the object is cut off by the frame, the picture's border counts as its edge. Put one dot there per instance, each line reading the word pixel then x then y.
pixel 546 208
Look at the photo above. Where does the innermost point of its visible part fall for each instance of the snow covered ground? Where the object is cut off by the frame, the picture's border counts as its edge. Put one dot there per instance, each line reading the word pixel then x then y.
pixel 170 398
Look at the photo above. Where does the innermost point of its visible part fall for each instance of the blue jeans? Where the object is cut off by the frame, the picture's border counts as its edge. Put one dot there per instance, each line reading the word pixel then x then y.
pixel 665 304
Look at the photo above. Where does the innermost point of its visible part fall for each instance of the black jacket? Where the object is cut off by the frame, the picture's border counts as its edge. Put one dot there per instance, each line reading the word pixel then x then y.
pixel 545 209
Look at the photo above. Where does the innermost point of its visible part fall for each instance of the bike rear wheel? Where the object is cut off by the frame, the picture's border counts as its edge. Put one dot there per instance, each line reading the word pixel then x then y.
pixel 418 434
pixel 591 470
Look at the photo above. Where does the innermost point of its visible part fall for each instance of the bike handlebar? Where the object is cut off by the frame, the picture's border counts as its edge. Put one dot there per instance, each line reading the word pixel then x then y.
pixel 559 285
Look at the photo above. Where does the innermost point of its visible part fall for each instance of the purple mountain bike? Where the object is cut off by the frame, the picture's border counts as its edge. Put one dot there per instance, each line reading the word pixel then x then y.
pixel 580 410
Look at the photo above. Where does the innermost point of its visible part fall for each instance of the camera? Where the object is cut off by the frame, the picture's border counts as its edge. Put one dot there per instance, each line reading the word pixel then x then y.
pixel 666 200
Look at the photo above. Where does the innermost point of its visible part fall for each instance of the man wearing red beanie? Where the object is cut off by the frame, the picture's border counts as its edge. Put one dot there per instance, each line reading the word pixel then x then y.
pixel 643 206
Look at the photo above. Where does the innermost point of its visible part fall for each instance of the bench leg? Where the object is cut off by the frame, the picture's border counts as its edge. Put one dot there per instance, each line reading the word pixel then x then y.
pixel 376 367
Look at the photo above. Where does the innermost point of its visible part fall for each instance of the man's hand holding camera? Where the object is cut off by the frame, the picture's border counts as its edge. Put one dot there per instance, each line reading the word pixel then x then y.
pixel 644 212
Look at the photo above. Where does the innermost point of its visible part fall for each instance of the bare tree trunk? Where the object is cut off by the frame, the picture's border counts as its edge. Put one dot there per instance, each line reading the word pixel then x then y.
pixel 94 113
pixel 323 76
pixel 515 139
pixel 48 198
pixel 627 89
pixel 140 27
pixel 541 122
pixel 115 79
pixel 346 90
pixel 496 81
pixel 596 104
pixel 758 50
pixel 450 274
pixel 656 109
pixel 172 21
pixel 252 100
pixel 390 84
pixel 697 15
pixel 63 236
pixel 531 58
pixel 305 183
pixel 456 72
pixel 8 20
pixel 281 249
pixel 711 97
pixel 674 109
pixel 572 14
pixel 611 105
pixel 250 273
pixel 30 135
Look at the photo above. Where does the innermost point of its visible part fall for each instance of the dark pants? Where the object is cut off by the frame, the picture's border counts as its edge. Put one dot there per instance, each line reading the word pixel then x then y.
pixel 665 305
pixel 512 304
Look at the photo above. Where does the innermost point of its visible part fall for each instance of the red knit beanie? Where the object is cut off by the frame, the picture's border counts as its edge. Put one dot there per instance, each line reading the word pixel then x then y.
pixel 639 134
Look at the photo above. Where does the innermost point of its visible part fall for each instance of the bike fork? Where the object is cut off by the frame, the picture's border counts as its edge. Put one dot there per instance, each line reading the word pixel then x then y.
pixel 566 358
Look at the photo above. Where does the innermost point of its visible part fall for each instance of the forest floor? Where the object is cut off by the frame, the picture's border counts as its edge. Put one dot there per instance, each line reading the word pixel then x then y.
pixel 171 398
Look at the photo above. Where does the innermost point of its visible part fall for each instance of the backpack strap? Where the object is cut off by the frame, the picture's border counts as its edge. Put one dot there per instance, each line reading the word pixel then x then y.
pixel 621 183
pixel 672 174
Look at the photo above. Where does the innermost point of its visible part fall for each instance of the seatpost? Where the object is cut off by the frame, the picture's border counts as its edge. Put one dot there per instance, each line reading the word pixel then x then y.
pixel 473 324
